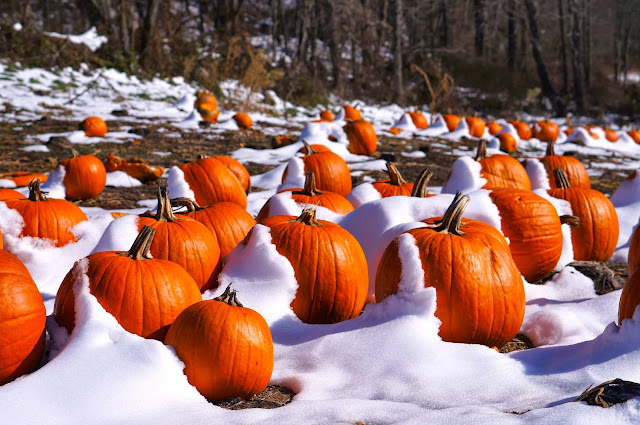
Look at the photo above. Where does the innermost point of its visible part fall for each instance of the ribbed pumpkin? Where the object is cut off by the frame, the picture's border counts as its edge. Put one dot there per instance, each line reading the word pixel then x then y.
pixel 362 137
pixel 634 252
pixel 395 185
pixel 533 228
pixel 419 120
pixel 597 236
pixel 137 168
pixel 546 131
pixel 184 241
pixel 476 126
pixel 211 182
pixel 47 218
pixel 226 348
pixel 329 265
pixel 452 121
pixel 23 178
pixel 351 113
pixel 94 127
pixel 523 129
pixel 572 167
pixel 228 221
pixel 501 170
pixel 243 120
pixel 310 195
pixel 630 297
pixel 207 106
pixel 22 319
pixel 327 116
pixel 10 194
pixel 508 143
pixel 85 176
pixel 237 169
pixel 144 294
pixel 480 295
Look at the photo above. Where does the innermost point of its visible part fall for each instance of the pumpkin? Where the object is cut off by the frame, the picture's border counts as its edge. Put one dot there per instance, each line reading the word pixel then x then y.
pixel 597 236
pixel 494 128
pixel 237 169
pixel 137 168
pixel 280 141
pixel 310 195
pixel 546 131
pixel 22 319
pixel 94 127
pixel 184 241
pixel 501 170
pixel 629 298
pixel 635 135
pixel 419 120
pixel 523 129
pixel 395 131
pixel 23 178
pixel 328 263
pixel 480 294
pixel 634 252
pixel 327 116
pixel 226 348
pixel 351 113
pixel 10 194
pixel 508 143
pixel 144 294
pixel 243 120
pixel 207 106
pixel 315 147
pixel 395 185
pixel 331 171
pixel 362 137
pixel 85 176
pixel 47 218
pixel 533 228
pixel 211 182
pixel 476 126
pixel 611 135
pixel 452 121
pixel 572 167
pixel 228 221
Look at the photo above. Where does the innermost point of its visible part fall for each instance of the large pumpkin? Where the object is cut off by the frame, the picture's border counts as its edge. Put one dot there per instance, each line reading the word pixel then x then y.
pixel 85 176
pixel 572 167
pixel 211 181
pixel 501 170
pixel 480 295
pixel 144 294
pixel 362 137
pixel 597 236
pixel 331 171
pixel 94 127
pixel 329 265
pixel 47 218
pixel 22 319
pixel 226 348
pixel 238 170
pixel 184 241
pixel 10 194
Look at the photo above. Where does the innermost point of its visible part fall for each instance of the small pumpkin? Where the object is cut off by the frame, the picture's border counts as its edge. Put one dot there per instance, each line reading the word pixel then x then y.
pixel 395 131
pixel 508 143
pixel 572 167
pixel 144 294
pixel 327 116
pixel 362 137
pixel 351 113
pixel 207 106
pixel 23 178
pixel 633 262
pixel 94 127
pixel 635 135
pixel 10 194
pixel 452 121
pixel 237 169
pixel 85 176
pixel 395 185
pixel 137 168
pixel 419 120
pixel 476 126
pixel 494 128
pixel 211 181
pixel 629 298
pixel 611 135
pixel 501 170
pixel 243 120
pixel 546 131
pixel 226 348
pixel 523 129
pixel 47 218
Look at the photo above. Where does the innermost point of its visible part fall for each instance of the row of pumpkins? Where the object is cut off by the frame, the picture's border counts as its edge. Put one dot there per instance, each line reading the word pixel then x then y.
pixel 188 248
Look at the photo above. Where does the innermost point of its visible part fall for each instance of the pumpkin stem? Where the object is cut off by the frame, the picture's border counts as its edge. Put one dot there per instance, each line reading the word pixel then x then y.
pixel 310 188
pixel 308 147
pixel 571 220
pixel 74 153
pixel 420 186
pixel 35 194
pixel 141 246
pixel 395 178
pixel 200 156
pixel 308 217
pixel 568 119
pixel 230 297
pixel 562 182
pixel 551 151
pixel 482 150
pixel 190 204
pixel 164 212
pixel 453 217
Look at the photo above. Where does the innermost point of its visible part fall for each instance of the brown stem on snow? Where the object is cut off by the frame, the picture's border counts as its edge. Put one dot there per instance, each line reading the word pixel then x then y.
pixel 482 150
pixel 35 194
pixel 230 297
pixel 190 204
pixel 395 178
pixel 453 217
pixel 420 186
pixel 141 246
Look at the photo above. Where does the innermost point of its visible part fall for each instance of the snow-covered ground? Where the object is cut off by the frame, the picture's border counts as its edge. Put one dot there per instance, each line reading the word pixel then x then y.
pixel 386 366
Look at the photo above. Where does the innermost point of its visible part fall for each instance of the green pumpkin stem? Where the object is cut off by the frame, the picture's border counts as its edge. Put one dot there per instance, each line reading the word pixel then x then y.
pixel 230 297
pixel 310 188
pixel 395 178
pixel 140 248
pixel 308 217
pixel 35 193
pixel 190 204
pixel 164 212
pixel 420 186
pixel 453 217
pixel 482 150
pixel 562 182
pixel 571 220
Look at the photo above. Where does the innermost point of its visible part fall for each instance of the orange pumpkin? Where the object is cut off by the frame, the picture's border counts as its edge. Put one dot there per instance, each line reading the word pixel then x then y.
pixel 476 126
pixel 395 131
pixel 597 236
pixel 630 297
pixel 395 185
pixel 47 218
pixel 243 120
pixel 634 252
pixel 523 129
pixel 207 106
pixel 635 135
pixel 184 241
pixel 331 271
pixel 508 143
pixel 480 295
pixel 419 120
pixel 137 168
pixel 362 137
pixel 10 194
pixel 351 113
pixel 533 228
pixel 572 167
pixel 611 135
pixel 226 348
pixel 452 121
pixel 85 177
pixel 494 128
pixel 237 169
pixel 144 294
pixel 211 182
pixel 315 147
pixel 22 319
pixel 23 178
pixel 546 131
pixel 501 170
pixel 327 116
pixel 94 127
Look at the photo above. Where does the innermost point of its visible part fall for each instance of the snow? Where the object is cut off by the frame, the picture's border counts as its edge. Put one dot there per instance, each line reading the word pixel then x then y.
pixel 386 366
pixel 89 38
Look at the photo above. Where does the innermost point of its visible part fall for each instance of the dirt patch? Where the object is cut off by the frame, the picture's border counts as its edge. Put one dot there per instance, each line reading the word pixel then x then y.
pixel 272 397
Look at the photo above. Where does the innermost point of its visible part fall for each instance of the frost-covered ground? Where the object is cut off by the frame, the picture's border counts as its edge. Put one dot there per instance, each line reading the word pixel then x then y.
pixel 386 366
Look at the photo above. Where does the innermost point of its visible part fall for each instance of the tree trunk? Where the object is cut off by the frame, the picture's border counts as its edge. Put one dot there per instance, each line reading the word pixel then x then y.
pixel 397 51
pixel 511 35
pixel 149 28
pixel 563 49
pixel 576 54
pixel 478 24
